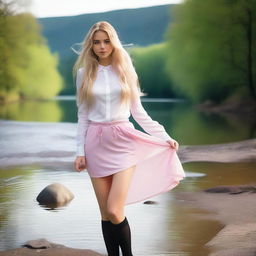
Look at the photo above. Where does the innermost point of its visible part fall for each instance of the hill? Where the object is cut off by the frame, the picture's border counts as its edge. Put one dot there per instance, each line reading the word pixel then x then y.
pixel 142 26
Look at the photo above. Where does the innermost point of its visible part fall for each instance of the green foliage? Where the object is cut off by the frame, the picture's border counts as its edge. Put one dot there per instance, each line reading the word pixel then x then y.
pixel 27 67
pixel 41 78
pixel 150 65
pixel 208 48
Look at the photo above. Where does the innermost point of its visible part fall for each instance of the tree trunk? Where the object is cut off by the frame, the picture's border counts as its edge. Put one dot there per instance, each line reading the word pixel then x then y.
pixel 249 54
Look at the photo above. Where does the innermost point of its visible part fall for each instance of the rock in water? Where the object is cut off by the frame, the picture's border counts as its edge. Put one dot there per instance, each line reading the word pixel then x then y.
pixel 232 189
pixel 55 195
pixel 150 202
pixel 42 247
pixel 41 244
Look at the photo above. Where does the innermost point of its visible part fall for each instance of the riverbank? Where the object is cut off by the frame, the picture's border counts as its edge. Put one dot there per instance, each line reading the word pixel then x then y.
pixel 241 151
pixel 236 211
pixel 235 107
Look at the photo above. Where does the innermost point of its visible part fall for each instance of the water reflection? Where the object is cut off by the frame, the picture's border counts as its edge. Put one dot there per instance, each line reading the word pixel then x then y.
pixel 220 174
pixel 180 119
pixel 32 110
pixel 191 127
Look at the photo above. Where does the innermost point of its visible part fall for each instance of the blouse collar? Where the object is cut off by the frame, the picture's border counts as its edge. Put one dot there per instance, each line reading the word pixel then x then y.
pixel 101 67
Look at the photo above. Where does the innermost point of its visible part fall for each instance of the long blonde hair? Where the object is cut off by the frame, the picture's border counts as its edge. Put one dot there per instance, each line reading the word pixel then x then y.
pixel 121 62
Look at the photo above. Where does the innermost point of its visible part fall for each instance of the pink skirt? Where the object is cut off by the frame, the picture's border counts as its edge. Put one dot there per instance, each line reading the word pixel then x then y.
pixel 111 147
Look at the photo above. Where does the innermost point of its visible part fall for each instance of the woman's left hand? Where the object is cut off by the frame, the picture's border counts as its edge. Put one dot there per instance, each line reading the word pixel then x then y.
pixel 174 144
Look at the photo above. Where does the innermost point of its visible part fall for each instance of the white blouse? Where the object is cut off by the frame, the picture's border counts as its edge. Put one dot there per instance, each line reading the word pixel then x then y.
pixel 106 107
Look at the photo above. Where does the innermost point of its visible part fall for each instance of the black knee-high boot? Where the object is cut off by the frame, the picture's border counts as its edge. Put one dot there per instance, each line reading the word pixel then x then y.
pixel 123 235
pixel 110 238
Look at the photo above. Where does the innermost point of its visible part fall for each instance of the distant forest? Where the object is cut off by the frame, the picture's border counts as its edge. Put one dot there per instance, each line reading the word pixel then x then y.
pixel 203 51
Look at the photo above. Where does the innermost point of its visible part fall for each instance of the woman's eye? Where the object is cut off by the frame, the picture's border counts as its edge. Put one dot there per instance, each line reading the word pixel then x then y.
pixel 105 41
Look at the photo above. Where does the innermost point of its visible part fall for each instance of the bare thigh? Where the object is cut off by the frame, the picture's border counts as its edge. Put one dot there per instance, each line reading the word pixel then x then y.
pixel 102 188
pixel 118 193
pixel 111 193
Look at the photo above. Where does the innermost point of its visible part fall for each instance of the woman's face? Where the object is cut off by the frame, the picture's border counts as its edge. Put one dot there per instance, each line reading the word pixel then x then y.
pixel 102 46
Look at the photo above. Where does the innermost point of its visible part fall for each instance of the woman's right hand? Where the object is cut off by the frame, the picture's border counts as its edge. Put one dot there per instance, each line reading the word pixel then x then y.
pixel 80 163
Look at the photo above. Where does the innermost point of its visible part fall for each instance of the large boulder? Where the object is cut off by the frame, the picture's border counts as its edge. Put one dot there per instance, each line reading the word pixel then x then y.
pixel 55 195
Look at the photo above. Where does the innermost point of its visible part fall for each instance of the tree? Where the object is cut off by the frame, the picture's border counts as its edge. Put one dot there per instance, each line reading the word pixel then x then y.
pixel 25 60
pixel 150 64
pixel 211 48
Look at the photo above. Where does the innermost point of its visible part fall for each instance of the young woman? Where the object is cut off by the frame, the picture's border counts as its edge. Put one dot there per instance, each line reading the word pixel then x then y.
pixel 125 165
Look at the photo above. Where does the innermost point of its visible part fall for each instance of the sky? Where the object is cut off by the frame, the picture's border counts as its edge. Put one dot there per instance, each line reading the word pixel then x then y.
pixel 55 8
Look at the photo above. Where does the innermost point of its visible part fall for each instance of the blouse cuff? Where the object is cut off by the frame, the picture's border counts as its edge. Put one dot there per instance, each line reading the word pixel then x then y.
pixel 80 151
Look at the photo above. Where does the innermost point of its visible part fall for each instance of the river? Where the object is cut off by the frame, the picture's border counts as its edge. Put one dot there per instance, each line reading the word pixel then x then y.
pixel 165 228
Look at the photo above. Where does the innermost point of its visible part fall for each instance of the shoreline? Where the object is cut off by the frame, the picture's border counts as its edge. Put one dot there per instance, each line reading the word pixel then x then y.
pixel 244 108
pixel 233 152
pixel 235 211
